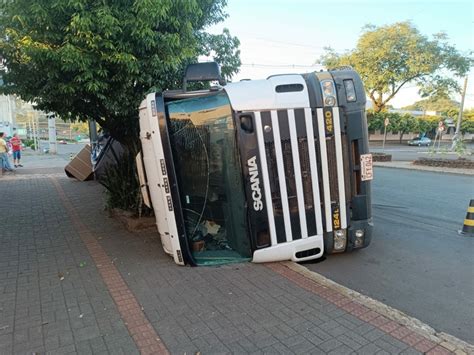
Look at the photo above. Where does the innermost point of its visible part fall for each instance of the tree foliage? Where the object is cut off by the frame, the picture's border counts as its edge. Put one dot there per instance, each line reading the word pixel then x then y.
pixel 440 104
pixel 401 123
pixel 223 48
pixel 406 123
pixel 88 59
pixel 467 124
pixel 389 57
pixel 80 128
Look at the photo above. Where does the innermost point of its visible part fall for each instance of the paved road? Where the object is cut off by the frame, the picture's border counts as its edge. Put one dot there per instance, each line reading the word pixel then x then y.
pixel 417 262
pixel 406 153
pixel 65 149
pixel 34 160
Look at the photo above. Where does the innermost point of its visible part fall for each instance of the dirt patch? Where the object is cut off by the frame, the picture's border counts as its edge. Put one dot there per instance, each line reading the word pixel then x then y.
pixel 460 163
pixel 131 222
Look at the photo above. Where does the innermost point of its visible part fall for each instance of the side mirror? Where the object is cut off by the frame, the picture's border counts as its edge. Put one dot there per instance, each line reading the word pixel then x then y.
pixel 203 72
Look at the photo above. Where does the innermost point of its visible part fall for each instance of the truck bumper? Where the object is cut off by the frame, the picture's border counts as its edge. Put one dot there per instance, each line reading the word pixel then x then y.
pixel 297 250
pixel 366 225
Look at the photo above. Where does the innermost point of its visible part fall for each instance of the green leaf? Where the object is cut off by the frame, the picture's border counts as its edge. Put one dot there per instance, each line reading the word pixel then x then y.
pixel 392 56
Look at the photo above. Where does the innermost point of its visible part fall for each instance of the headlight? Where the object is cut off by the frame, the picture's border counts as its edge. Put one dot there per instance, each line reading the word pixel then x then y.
pixel 330 101
pixel 359 238
pixel 328 87
pixel 350 90
pixel 339 240
pixel 329 92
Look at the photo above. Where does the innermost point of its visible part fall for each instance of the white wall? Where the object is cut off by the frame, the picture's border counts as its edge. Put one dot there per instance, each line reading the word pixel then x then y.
pixel 7 114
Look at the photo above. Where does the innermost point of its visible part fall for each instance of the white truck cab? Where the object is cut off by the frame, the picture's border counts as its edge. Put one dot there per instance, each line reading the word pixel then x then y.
pixel 265 170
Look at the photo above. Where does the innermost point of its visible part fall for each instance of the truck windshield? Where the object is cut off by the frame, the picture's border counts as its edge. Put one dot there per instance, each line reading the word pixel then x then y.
pixel 209 176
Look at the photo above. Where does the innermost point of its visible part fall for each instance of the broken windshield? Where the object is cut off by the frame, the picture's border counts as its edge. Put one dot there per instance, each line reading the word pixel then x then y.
pixel 210 182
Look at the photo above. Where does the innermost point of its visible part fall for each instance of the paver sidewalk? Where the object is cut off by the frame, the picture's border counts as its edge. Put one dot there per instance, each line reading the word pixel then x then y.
pixel 73 280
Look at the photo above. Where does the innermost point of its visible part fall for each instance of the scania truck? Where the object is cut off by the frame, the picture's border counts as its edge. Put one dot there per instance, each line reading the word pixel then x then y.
pixel 258 170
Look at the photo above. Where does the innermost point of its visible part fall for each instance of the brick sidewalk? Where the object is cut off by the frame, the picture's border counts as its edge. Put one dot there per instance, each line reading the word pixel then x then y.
pixel 73 280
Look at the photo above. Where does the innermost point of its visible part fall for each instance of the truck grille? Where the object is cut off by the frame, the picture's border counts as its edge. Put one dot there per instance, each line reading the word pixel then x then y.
pixel 304 189
pixel 332 164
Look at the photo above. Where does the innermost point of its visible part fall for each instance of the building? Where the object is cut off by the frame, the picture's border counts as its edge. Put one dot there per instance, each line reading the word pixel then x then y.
pixel 7 114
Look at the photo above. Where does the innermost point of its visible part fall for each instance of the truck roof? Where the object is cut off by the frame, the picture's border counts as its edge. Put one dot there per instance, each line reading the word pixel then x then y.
pixel 276 92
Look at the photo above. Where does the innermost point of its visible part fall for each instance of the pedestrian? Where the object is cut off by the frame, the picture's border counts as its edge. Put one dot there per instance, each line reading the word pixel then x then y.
pixel 5 163
pixel 16 147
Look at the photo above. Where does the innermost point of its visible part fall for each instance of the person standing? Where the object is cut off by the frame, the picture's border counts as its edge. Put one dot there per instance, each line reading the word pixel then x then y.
pixel 5 163
pixel 15 141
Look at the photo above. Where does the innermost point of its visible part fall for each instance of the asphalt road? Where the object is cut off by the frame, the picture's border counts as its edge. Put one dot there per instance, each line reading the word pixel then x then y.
pixel 417 262
pixel 47 163
pixel 64 149
pixel 402 152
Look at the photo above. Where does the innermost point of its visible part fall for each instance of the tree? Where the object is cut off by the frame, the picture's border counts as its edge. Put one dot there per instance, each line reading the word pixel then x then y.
pixel 428 124
pixel 375 120
pixel 402 124
pixel 467 124
pixel 80 128
pixel 96 60
pixel 389 57
pixel 224 49
pixel 439 104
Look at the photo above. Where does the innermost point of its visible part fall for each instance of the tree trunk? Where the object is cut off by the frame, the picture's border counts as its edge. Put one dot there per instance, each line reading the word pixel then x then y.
pixel 377 106
pixel 401 137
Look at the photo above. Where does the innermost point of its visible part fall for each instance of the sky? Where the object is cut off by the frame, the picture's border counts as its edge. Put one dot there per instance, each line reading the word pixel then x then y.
pixel 284 36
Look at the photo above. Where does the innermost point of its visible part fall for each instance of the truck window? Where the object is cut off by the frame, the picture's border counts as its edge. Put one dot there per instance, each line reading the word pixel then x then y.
pixel 207 165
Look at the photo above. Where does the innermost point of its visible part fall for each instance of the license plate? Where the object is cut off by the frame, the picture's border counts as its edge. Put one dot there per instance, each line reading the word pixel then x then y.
pixel 366 167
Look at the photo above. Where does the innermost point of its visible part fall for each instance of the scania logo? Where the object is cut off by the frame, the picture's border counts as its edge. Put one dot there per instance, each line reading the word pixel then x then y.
pixel 255 184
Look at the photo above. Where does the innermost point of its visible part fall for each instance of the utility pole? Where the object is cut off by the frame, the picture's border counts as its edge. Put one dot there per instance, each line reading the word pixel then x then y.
pixel 457 134
pixel 34 130
pixel 93 133
pixel 386 122
pixel 38 131
pixel 30 130
pixel 52 132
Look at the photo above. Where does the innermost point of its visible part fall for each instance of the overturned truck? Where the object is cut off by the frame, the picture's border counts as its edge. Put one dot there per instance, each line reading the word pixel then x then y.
pixel 263 170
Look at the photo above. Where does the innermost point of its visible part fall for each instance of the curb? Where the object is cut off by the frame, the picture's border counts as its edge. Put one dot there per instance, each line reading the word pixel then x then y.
pixel 410 166
pixel 447 341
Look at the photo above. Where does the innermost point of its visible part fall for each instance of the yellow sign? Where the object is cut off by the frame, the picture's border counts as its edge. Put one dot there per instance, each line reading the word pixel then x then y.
pixel 336 220
pixel 328 120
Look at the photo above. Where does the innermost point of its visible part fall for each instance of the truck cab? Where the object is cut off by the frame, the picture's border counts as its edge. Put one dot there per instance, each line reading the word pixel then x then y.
pixel 261 170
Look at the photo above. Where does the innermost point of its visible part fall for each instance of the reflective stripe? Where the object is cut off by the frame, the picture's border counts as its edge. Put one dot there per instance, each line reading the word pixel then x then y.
pixel 324 168
pixel 314 171
pixel 469 222
pixel 340 167
pixel 281 175
pixel 297 168
pixel 470 210
pixel 266 180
